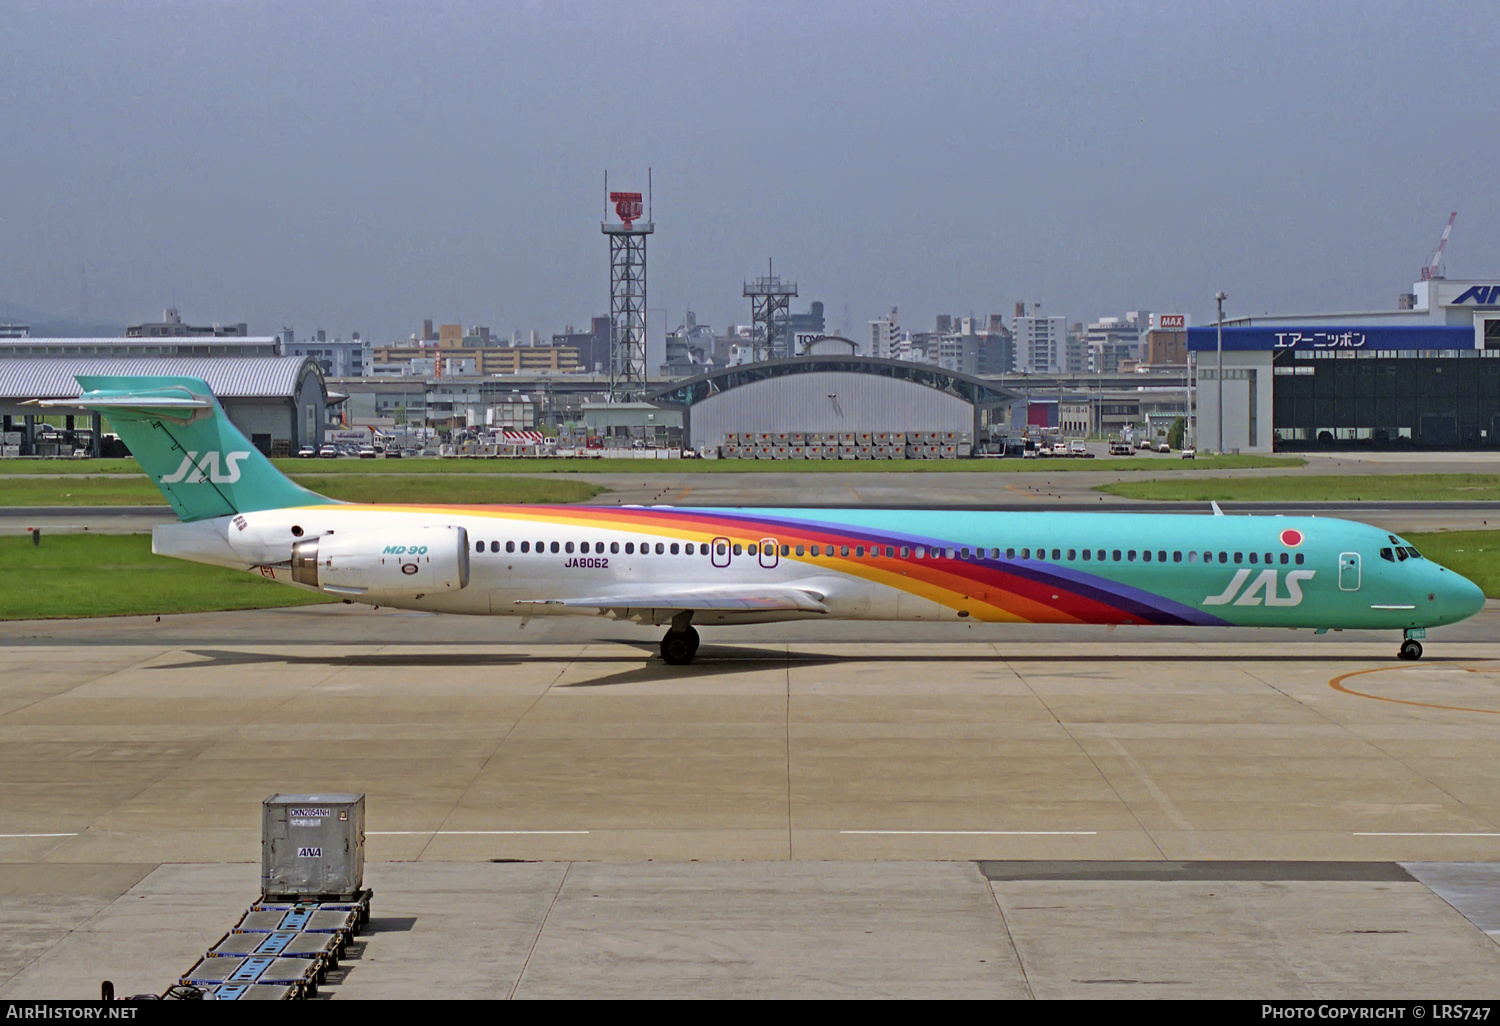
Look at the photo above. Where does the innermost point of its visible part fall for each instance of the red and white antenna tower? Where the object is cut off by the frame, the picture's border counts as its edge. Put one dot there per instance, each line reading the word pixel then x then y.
pixel 1431 270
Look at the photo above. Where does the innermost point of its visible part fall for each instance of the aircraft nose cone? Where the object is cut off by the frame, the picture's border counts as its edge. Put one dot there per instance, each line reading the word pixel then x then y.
pixel 1468 597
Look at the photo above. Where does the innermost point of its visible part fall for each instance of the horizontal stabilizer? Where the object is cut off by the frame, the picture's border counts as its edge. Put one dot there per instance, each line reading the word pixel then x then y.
pixel 175 402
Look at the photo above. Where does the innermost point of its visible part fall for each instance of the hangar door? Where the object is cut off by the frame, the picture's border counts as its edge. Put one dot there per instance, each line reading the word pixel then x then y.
pixel 828 401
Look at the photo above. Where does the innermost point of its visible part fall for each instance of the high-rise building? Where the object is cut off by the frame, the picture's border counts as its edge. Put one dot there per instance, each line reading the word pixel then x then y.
pixel 886 336
pixel 1039 343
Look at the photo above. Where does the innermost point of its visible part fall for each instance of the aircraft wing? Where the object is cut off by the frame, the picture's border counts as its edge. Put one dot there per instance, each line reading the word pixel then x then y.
pixel 748 598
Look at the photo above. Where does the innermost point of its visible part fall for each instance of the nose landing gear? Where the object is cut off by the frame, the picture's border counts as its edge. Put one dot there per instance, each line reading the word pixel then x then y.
pixel 680 644
pixel 1411 648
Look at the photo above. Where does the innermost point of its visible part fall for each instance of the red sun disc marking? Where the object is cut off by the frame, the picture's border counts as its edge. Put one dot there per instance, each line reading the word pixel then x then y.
pixel 1291 538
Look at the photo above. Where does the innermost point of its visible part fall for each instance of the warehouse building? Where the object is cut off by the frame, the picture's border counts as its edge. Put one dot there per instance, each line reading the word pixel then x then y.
pixel 278 402
pixel 1427 375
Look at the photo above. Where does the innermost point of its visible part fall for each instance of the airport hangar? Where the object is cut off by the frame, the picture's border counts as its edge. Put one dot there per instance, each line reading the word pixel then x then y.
pixel 833 393
pixel 1425 375
pixel 278 402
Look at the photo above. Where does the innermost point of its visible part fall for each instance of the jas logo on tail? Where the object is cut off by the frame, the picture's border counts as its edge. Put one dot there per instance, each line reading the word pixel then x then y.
pixel 196 470
pixel 1263 588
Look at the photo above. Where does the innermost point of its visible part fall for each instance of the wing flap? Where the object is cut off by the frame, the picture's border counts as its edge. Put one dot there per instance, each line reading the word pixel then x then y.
pixel 746 598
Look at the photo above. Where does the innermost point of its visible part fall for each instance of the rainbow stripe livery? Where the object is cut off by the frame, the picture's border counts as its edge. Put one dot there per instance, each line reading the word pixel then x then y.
pixel 684 566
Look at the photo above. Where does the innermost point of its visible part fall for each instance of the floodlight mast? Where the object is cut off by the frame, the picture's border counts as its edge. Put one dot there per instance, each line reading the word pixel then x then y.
pixel 771 309
pixel 627 291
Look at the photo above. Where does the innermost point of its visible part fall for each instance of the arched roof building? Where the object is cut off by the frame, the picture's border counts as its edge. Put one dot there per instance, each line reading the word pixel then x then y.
pixel 829 393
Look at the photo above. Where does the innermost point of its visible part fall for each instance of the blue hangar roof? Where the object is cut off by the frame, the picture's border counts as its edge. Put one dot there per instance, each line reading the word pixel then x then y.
pixel 1324 336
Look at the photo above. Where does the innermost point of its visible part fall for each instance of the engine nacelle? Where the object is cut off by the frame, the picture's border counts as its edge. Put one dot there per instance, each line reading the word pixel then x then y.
pixel 406 561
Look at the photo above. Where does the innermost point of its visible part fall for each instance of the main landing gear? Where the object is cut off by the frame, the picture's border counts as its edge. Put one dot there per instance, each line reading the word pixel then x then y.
pixel 1411 648
pixel 681 642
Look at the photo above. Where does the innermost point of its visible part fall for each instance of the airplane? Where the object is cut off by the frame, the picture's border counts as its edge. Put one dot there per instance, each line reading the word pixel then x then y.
pixel 681 567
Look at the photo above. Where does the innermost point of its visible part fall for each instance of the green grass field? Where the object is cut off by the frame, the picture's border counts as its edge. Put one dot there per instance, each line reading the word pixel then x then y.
pixel 138 491
pixel 74 575
pixel 1322 488
pixel 1475 554
pixel 81 575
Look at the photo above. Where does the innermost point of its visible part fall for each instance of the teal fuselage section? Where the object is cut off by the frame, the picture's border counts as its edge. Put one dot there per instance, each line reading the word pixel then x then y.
pixel 1253 571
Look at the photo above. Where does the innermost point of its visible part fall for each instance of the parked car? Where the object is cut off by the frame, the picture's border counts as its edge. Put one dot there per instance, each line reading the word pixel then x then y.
pixel 1189 454
pixel 329 452
pixel 1163 447
pixel 1080 450
pixel 367 453
pixel 307 452
pixel 1119 448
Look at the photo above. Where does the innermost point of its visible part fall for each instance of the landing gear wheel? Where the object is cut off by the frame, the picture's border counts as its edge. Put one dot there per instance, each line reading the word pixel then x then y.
pixel 1410 650
pixel 679 647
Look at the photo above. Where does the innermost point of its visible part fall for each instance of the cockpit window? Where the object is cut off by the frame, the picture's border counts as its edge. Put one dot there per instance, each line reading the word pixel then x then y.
pixel 1385 554
pixel 1413 553
pixel 1401 554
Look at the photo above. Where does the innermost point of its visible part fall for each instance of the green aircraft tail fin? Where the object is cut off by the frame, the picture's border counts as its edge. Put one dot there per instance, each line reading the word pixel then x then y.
pixel 179 434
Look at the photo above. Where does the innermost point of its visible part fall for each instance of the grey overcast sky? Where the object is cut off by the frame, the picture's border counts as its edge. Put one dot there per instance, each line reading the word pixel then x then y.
pixel 360 166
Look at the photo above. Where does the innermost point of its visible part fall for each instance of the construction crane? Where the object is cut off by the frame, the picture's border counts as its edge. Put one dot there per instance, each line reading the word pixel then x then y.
pixel 1431 270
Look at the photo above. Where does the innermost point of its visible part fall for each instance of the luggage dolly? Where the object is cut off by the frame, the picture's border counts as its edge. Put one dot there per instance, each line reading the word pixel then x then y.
pixel 298 974
pixel 319 948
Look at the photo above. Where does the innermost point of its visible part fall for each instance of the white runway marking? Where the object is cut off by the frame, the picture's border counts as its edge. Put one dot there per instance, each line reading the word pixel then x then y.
pixel 1423 835
pixel 38 835
pixel 975 833
pixel 462 833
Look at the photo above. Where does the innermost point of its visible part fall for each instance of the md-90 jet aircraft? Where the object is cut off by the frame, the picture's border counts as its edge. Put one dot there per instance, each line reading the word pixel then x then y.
pixel 682 566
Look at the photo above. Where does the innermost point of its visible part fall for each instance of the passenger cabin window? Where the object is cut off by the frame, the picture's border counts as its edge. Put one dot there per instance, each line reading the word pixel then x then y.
pixel 556 547
pixel 526 546
pixel 510 546
pixel 613 546
pixel 674 548
pixel 479 546
pixel 630 548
